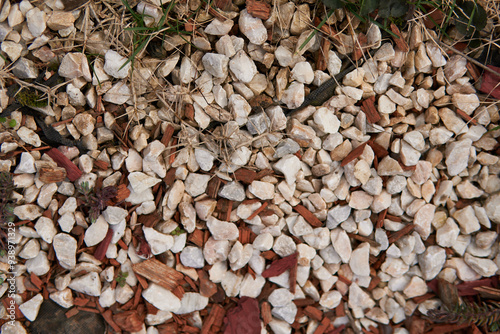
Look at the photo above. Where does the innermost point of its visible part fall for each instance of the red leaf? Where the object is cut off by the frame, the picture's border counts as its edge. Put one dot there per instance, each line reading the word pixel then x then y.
pixel 278 267
pixel 102 248
pixel 491 83
pixel 244 318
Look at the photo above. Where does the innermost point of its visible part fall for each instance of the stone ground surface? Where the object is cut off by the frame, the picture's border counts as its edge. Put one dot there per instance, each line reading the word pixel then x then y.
pixel 186 199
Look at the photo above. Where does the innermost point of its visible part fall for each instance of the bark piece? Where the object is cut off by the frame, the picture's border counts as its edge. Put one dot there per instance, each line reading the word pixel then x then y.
pixel 278 267
pixel 259 9
pixel 72 171
pixel 244 318
pixel 368 107
pixel 52 175
pixel 158 273
pixel 308 216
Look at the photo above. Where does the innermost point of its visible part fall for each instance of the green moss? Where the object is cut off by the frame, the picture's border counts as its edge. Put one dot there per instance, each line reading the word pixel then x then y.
pixel 31 98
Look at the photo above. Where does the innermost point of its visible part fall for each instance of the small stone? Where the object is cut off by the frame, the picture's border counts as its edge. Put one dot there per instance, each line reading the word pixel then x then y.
pixel 196 184
pixel 96 232
pixel 284 246
pixel 466 102
pixel 204 158
pixel 26 164
pixel 75 65
pixel 423 219
pixel 158 242
pixel 431 261
pixel 455 68
pixel 38 265
pixel 286 313
pixel 435 54
pixel 113 61
pixel 114 215
pixel 416 287
pixel 60 20
pixel 141 181
pixel 219 28
pixel 65 247
pixel 12 49
pixel 384 53
pixel 28 211
pixel 31 307
pixel 89 284
pixel 191 302
pixel 360 200
pixel 447 234
pixel 492 207
pixel 303 72
pixel 29 136
pixel 289 165
pixel 84 123
pixel 457 156
pixel 359 261
pixel 358 298
pixel 280 297
pixel 385 105
pixel 243 67
pixel 45 229
pixel 216 64
pixel 467 220
pixel 330 299
pixel 161 298
pixel 119 93
pixel 262 190
pixel 252 28
pixel 484 267
pixel 36 19
pixel 342 244
pixel 24 68
pixel 63 298
pixel 326 120
pixel 222 230
pixel 192 257
pixel 233 191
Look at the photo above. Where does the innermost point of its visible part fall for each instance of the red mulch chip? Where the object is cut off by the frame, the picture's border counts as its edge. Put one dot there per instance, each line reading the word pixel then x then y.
pixel 491 83
pixel 244 318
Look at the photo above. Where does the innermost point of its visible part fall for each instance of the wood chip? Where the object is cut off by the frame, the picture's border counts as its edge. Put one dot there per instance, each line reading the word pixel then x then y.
pixel 368 107
pixel 102 165
pixel 313 313
pixel 244 175
pixel 72 171
pixel 108 317
pixel 278 267
pixel 379 151
pixel 322 326
pixel 130 321
pixel 215 316
pixel 207 287
pixel 322 59
pixel 245 316
pixel 102 247
pixel 196 237
pixel 158 273
pixel 258 9
pixel 353 155
pixel 259 210
pixel 399 234
pixel 466 117
pixel 52 174
pixel 363 239
pixel 308 216
pixel 122 192
pixel 400 42
pixel 167 135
